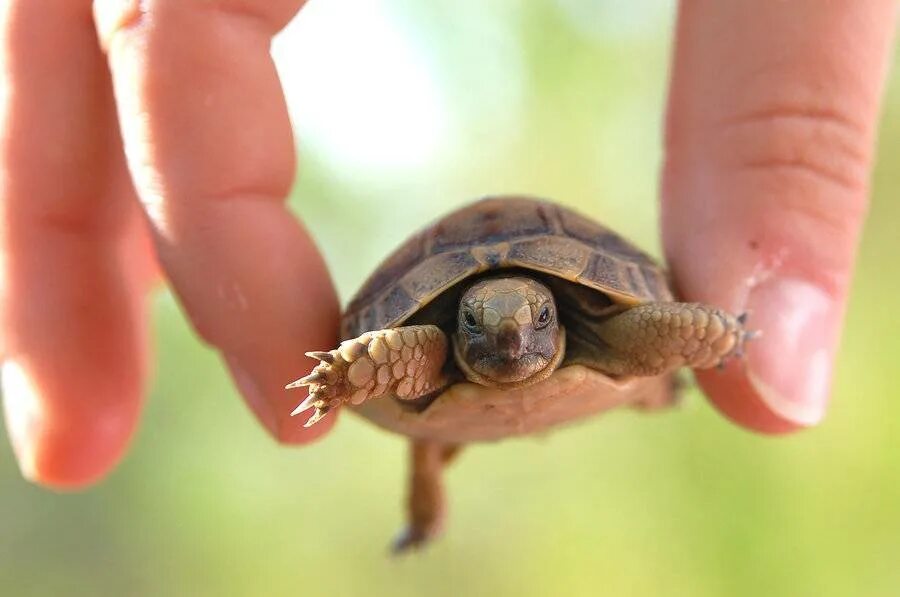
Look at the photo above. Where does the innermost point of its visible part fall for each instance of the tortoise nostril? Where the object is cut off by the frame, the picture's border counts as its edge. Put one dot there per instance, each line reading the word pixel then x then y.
pixel 509 341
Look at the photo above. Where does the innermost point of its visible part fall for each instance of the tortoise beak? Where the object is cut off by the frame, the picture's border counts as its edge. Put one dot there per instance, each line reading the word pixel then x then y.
pixel 510 341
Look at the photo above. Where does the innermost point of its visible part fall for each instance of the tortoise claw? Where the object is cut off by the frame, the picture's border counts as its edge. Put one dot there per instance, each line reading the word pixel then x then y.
pixel 317 416
pixel 316 377
pixel 308 403
pixel 744 336
pixel 321 355
pixel 295 384
pixel 313 378
pixel 314 400
pixel 406 542
pixel 326 386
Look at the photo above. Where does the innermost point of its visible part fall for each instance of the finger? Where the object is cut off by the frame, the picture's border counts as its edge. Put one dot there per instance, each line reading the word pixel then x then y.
pixel 71 262
pixel 771 123
pixel 209 145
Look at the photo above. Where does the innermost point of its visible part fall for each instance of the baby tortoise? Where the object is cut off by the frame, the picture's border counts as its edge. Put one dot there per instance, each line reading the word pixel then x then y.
pixel 508 317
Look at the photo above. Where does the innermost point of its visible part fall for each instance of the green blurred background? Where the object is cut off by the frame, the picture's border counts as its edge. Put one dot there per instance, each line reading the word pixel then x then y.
pixel 404 109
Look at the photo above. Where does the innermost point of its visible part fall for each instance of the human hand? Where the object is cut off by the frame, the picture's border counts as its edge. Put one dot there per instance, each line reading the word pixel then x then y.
pixel 209 148
pixel 772 116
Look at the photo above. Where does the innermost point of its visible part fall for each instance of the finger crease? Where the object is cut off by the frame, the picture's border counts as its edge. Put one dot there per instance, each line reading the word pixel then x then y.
pixel 71 224
pixel 246 15
pixel 249 194
pixel 826 174
pixel 818 115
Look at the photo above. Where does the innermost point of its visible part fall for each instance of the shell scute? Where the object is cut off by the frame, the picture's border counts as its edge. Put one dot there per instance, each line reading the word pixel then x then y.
pixel 503 232
pixel 437 273
pixel 551 254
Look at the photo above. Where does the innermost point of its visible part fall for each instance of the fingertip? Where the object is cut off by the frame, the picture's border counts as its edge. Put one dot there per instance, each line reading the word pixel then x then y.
pixel 64 448
pixel 22 407
pixel 731 393
pixel 264 393
pixel 784 383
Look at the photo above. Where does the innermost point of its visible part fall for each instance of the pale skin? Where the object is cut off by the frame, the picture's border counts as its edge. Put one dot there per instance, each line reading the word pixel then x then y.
pixel 753 143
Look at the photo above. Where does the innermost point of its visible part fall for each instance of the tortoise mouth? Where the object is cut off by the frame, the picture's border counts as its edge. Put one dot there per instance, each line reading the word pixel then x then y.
pixel 510 370
pixel 506 373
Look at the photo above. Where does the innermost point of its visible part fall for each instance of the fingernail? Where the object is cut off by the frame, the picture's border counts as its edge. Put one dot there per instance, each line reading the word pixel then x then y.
pixel 790 365
pixel 251 392
pixel 22 408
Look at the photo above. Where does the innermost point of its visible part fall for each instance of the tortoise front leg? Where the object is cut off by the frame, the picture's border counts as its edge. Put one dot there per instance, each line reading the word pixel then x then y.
pixel 653 338
pixel 426 503
pixel 406 362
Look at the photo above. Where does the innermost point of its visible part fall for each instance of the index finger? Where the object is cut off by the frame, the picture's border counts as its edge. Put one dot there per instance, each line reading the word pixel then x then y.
pixel 209 146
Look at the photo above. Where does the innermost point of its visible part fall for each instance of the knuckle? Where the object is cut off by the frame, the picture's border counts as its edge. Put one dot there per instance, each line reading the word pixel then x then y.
pixel 823 144
pixel 114 16
pixel 812 161
pixel 272 14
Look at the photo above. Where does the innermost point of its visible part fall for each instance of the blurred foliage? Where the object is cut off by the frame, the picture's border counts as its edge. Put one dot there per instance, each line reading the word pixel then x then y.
pixel 557 98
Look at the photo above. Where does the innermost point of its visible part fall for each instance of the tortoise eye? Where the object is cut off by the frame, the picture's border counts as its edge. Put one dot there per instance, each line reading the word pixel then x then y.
pixel 544 316
pixel 470 322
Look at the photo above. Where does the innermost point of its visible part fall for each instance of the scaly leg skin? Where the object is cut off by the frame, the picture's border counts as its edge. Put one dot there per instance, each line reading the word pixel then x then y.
pixel 406 362
pixel 653 338
pixel 425 502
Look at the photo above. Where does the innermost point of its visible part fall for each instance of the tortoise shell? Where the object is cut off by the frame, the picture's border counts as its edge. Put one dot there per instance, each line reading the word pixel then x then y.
pixel 501 233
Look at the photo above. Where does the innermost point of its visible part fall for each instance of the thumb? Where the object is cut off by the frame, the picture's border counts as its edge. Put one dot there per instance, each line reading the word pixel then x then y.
pixel 771 126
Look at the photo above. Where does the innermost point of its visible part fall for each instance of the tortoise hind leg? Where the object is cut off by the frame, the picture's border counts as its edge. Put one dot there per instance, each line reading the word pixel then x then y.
pixel 426 504
pixel 406 362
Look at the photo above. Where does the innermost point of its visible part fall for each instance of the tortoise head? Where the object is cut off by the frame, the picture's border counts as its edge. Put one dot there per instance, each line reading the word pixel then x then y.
pixel 508 333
